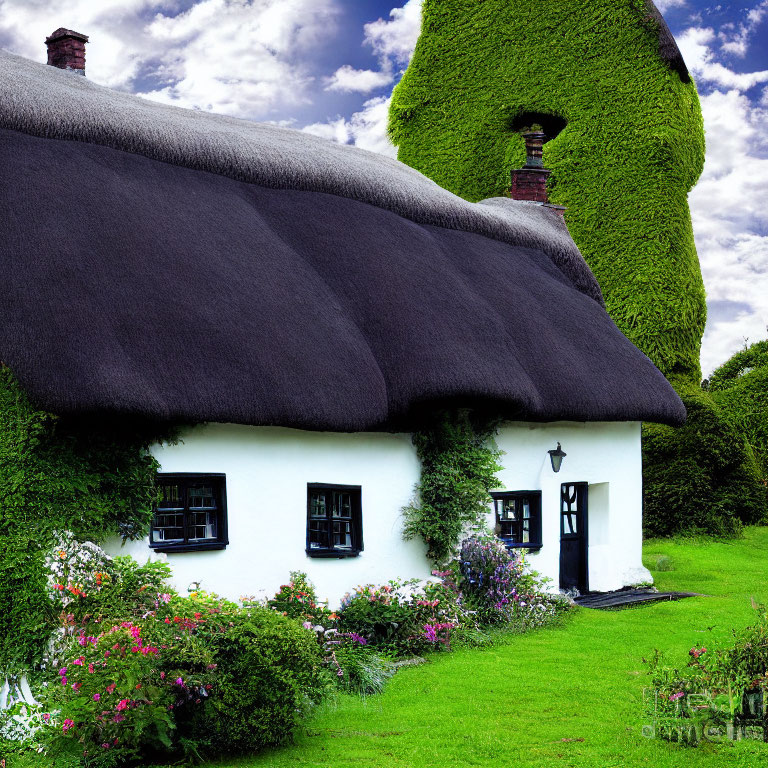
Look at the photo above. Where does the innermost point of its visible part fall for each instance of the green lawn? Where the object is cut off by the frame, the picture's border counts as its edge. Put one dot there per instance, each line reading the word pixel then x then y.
pixel 566 696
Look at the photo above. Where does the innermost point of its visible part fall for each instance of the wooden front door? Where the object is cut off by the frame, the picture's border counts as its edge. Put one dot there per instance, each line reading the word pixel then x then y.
pixel 573 537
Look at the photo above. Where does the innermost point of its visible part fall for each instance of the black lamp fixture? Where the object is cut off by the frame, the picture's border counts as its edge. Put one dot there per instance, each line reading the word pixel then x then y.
pixel 556 455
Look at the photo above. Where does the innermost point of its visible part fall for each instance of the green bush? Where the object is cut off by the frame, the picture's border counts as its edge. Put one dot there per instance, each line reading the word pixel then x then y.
pixel 298 600
pixel 269 670
pixel 716 683
pixel 701 477
pixel 740 389
pixel 403 618
pixel 355 666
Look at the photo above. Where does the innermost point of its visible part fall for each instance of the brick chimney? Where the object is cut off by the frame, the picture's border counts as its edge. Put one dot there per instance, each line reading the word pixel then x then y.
pixel 66 50
pixel 530 181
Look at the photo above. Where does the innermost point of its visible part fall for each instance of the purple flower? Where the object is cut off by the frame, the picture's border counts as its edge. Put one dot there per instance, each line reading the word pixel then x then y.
pixel 179 681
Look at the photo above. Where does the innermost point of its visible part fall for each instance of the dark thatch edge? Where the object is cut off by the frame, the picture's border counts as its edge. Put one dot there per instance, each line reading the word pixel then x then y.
pixel 668 49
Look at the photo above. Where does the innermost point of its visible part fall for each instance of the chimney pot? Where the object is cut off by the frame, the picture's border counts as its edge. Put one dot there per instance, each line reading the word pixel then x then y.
pixel 66 50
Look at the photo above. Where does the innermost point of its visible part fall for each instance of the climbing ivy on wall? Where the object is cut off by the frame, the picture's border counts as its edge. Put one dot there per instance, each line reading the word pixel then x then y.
pixel 459 462
pixel 630 146
pixel 93 477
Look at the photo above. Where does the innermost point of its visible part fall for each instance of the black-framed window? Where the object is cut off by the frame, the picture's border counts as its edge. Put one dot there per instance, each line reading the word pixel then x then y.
pixel 190 514
pixel 334 520
pixel 518 518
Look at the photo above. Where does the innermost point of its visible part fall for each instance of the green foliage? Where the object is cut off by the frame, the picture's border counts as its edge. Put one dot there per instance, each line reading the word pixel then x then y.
pixel 270 669
pixel 357 667
pixel 93 477
pixel 404 618
pixel 718 678
pixel 459 462
pixel 701 477
pixel 298 600
pixel 632 148
pixel 740 389
pixel 497 586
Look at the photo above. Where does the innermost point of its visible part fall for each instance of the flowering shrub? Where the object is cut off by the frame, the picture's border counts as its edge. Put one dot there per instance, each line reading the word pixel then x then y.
pixel 498 586
pixel 717 684
pixel 190 677
pixel 298 600
pixel 114 695
pixel 403 617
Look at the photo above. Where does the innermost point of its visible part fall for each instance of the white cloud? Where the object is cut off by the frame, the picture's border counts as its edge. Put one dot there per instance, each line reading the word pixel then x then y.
pixel 348 79
pixel 695 45
pixel 730 222
pixel 665 5
pixel 395 40
pixel 239 57
pixel 366 129
pixel 735 37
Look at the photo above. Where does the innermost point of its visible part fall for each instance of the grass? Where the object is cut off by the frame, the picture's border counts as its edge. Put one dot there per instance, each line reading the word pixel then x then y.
pixel 565 696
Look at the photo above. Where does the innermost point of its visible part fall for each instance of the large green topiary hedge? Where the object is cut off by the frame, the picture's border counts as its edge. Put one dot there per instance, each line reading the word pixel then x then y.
pixel 632 147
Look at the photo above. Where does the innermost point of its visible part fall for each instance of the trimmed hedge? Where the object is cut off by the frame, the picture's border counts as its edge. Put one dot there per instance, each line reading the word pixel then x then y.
pixel 701 477
pixel 740 388
pixel 632 148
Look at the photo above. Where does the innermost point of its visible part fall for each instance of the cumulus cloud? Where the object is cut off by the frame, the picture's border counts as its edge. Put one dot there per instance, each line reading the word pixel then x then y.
pixel 664 5
pixel 239 57
pixel 735 37
pixel 348 79
pixel 730 223
pixel 366 129
pixel 696 46
pixel 394 40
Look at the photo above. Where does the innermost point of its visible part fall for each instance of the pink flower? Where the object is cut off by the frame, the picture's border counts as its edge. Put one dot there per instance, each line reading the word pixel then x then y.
pixel 96 696
pixel 162 675
pixel 46 717
pixel 90 668
pixel 63 680
pixel 179 681
pixel 76 686
pixel 121 705
pixel 67 725
pixel 111 687
pixel 79 661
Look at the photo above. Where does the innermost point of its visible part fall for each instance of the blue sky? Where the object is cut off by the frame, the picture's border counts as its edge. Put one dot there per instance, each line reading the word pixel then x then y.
pixel 329 66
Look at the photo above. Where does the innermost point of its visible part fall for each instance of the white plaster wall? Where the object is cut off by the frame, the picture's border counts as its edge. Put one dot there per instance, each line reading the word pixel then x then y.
pixel 607 456
pixel 267 470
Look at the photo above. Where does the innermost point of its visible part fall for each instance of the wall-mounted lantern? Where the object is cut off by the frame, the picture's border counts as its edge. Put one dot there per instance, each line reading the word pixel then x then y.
pixel 557 455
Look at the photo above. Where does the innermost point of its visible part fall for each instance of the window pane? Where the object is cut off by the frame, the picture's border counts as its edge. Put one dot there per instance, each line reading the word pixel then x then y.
pixel 168 527
pixel 526 510
pixel 201 497
pixel 318 534
pixel 342 534
pixel 170 497
pixel 342 505
pixel 202 526
pixel 317 505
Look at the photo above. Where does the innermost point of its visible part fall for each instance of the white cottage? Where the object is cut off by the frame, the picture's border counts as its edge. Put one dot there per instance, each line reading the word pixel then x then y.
pixel 304 305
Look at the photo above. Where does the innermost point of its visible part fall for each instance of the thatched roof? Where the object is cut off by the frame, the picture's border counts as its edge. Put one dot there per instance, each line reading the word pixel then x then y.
pixel 182 265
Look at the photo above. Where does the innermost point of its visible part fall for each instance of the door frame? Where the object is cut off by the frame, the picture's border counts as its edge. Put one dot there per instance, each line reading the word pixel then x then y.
pixel 579 505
